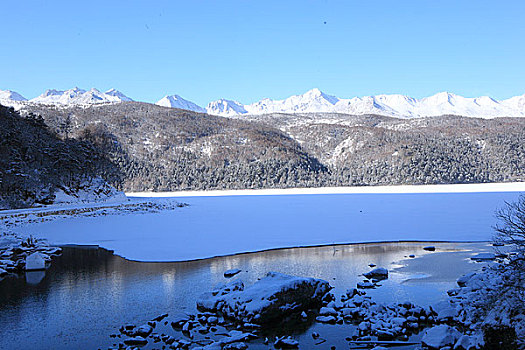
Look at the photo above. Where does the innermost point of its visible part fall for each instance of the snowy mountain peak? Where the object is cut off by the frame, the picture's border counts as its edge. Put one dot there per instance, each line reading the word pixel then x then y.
pixel 118 94
pixel 77 96
pixel 225 107
pixel 175 101
pixel 9 95
pixel 316 94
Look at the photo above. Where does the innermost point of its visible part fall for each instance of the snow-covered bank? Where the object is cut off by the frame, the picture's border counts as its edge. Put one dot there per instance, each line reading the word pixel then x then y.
pixel 452 188
pixel 225 225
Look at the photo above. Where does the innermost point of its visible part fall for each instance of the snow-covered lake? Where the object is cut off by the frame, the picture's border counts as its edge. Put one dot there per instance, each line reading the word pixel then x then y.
pixel 223 225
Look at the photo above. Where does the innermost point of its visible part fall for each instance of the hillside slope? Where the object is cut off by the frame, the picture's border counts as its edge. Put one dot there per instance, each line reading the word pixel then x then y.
pixel 158 148
pixel 37 167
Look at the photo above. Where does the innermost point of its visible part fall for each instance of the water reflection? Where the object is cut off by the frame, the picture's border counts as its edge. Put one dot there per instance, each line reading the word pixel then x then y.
pixel 88 293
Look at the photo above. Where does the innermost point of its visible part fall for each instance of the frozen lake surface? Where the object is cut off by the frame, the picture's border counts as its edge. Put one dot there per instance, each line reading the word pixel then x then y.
pixel 225 225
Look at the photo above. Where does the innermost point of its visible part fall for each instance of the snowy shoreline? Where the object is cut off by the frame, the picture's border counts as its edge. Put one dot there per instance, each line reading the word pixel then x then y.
pixel 448 188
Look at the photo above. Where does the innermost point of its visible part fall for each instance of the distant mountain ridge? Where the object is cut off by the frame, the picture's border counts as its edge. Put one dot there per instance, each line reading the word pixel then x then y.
pixel 398 106
pixel 74 96
pixel 313 101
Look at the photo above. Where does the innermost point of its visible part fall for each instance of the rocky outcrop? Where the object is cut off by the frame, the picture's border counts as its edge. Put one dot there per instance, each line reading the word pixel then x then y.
pixel 273 297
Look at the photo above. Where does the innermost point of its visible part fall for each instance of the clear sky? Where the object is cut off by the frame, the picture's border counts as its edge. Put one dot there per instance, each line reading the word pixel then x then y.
pixel 249 50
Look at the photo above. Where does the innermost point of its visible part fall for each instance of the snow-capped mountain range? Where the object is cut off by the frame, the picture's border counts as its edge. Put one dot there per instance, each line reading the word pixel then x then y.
pixel 400 106
pixel 313 101
pixel 73 96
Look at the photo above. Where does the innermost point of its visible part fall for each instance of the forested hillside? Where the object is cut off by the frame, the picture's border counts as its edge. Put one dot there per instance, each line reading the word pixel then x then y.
pixel 35 162
pixel 158 148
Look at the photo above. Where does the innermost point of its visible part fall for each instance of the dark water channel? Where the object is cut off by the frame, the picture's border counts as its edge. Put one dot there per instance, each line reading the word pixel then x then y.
pixel 88 293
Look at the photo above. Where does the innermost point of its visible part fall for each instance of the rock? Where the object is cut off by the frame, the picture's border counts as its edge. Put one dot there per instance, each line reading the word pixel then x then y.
pixel 440 336
pixel 444 311
pixel 430 248
pixel 236 336
pixel 35 261
pixel 160 318
pixel 231 273
pixel 365 285
pixel 135 341
pixel 364 326
pixel 326 319
pixel 384 335
pixel 327 311
pixel 235 346
pixel 179 319
pixel 462 281
pixel 398 321
pixel 286 343
pixel 379 273
pixel 271 298
pixel 484 257
pixel 142 331
pixel 465 342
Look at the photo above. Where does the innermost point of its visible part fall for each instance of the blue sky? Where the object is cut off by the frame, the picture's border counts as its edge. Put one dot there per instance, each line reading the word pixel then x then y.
pixel 249 50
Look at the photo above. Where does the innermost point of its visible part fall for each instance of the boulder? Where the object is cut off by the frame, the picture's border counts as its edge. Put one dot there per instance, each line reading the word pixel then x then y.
pixel 231 273
pixel 326 319
pixel 379 273
pixel 327 311
pixel 35 261
pixel 365 285
pixel 462 281
pixel 444 311
pixel 484 257
pixel 440 336
pixel 135 341
pixel 271 298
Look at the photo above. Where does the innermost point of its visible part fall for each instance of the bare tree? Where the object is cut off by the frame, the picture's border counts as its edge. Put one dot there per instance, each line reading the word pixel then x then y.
pixel 511 229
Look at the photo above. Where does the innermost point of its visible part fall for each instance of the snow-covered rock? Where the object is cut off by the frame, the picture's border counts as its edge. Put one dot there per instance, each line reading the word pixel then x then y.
pixel 440 336
pixel 175 101
pixel 326 319
pixel 462 281
pixel 365 285
pixel 35 261
pixel 444 310
pixel 377 273
pixel 485 256
pixel 270 298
